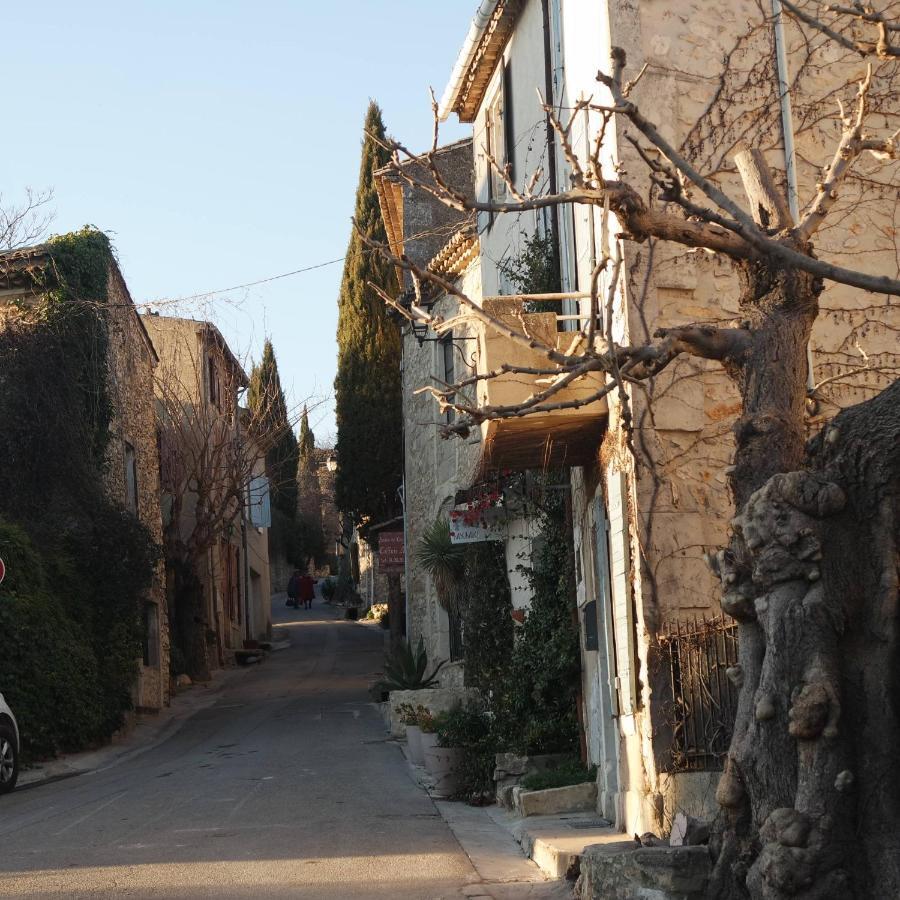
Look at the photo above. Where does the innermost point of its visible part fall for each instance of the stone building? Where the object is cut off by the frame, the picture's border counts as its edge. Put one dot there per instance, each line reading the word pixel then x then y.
pixel 640 531
pixel 443 240
pixel 209 466
pixel 132 473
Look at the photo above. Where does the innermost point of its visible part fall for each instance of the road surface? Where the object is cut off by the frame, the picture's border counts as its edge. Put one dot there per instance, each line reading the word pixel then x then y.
pixel 284 787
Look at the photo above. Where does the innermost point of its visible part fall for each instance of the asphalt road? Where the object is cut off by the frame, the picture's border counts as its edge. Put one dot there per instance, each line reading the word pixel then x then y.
pixel 285 787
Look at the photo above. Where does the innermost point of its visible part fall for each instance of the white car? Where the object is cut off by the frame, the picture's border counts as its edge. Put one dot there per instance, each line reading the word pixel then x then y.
pixel 9 748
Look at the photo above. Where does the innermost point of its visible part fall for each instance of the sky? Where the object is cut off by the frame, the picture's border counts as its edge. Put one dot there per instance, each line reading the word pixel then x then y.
pixel 218 144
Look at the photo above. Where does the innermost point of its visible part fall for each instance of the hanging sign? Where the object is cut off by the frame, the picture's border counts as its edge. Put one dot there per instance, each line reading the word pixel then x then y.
pixel 2 570
pixel 391 558
pixel 468 527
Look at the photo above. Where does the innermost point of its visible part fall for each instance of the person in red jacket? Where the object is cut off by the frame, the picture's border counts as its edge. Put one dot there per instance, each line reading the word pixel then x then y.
pixel 306 590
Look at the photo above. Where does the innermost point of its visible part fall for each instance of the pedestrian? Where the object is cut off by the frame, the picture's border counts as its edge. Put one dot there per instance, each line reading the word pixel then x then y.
pixel 293 589
pixel 306 590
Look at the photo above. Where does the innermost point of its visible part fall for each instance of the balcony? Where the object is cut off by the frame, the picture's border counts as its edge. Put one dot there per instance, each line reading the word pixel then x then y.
pixel 563 437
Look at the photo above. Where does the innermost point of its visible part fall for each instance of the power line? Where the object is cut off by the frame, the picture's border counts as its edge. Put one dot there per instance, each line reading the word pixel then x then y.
pixel 249 284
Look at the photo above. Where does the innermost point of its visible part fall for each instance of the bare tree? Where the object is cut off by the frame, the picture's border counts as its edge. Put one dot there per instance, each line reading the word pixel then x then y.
pixel 210 451
pixel 809 795
pixel 25 223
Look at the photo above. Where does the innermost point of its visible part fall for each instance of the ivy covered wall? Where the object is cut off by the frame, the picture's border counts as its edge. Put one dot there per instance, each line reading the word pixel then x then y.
pixel 80 565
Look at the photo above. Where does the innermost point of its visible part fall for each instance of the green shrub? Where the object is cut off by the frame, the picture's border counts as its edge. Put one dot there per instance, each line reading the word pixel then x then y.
pixel 487 619
pixel 329 586
pixel 49 675
pixel 468 728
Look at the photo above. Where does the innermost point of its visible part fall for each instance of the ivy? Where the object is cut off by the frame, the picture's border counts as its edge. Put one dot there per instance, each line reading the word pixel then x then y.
pixel 487 617
pixel 530 679
pixel 70 621
pixel 535 270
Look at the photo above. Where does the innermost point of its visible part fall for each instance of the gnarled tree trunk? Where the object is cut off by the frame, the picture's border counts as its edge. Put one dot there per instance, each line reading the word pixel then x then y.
pixel 808 792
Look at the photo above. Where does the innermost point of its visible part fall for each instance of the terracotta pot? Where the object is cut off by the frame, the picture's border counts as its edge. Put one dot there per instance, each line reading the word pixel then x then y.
pixel 443 764
pixel 414 745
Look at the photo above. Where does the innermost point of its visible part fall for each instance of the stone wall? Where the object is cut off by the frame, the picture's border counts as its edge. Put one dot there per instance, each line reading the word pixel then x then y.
pixel 132 361
pixel 435 470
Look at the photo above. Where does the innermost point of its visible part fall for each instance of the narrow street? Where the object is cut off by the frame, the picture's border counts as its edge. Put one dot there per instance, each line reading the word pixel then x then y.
pixel 285 787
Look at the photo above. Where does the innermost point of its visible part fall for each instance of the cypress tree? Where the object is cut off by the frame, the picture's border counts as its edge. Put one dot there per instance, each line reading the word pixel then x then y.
pixel 306 442
pixel 265 398
pixel 307 477
pixel 367 386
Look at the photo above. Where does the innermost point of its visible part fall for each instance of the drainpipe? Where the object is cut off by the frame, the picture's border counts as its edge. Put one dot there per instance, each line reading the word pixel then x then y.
pixel 247 628
pixel 787 130
pixel 551 137
pixel 407 575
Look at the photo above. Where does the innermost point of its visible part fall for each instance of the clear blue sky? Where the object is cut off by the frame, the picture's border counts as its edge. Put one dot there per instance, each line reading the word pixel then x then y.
pixel 218 144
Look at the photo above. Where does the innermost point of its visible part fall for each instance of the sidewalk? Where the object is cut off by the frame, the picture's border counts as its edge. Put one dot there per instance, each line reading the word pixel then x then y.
pixel 145 732
pixel 505 871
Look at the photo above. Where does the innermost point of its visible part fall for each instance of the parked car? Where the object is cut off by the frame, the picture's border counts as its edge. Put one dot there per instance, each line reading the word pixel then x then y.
pixel 9 748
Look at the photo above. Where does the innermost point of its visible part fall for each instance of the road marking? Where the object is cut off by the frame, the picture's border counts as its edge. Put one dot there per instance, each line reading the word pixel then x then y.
pixel 93 812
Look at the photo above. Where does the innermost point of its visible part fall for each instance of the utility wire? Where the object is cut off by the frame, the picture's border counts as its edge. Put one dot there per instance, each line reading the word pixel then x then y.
pixel 238 287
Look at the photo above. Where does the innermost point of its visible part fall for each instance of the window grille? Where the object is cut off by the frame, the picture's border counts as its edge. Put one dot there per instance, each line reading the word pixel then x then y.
pixel 702 701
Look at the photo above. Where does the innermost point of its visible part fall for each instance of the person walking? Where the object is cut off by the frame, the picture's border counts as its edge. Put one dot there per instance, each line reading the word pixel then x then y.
pixel 306 590
pixel 293 589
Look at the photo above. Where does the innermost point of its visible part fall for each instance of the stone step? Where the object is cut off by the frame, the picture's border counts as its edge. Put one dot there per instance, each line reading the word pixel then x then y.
pixel 556 843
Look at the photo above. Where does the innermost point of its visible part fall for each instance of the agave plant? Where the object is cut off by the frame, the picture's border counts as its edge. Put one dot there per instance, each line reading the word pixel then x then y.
pixel 407 669
pixel 445 562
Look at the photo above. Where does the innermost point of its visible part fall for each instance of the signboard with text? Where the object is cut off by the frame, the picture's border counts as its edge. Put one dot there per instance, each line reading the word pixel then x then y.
pixel 489 525
pixel 391 558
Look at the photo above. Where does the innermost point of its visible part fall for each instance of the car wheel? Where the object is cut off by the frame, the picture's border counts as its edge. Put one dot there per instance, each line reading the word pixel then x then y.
pixel 9 759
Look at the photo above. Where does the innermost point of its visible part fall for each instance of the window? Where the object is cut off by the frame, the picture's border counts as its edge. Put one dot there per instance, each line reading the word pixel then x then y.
pixel 131 494
pixel 495 138
pixel 447 368
pixel 151 635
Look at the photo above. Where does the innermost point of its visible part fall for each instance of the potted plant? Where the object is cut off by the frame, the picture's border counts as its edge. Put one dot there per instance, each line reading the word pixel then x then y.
pixel 443 760
pixel 462 761
pixel 409 716
pixel 427 734
pixel 406 669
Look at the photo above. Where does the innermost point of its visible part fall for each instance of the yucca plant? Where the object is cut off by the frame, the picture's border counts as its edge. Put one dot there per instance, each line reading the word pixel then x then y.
pixel 407 669
pixel 445 562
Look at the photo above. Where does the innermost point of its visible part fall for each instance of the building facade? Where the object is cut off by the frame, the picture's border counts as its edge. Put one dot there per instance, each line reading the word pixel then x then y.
pixel 643 518
pixel 209 466
pixel 131 475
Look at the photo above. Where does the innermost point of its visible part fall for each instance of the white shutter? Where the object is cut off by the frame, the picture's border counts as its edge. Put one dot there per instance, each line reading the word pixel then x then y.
pixel 623 609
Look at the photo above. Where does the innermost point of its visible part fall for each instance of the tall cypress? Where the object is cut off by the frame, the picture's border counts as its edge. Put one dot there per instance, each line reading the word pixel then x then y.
pixel 265 398
pixel 367 386
pixel 309 501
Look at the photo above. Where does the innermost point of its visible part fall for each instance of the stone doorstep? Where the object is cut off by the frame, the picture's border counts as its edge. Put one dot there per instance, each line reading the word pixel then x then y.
pixel 556 801
pixel 552 841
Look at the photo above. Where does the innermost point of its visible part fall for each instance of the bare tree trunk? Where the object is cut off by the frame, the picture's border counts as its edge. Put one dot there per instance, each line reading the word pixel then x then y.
pixel 188 617
pixel 810 574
